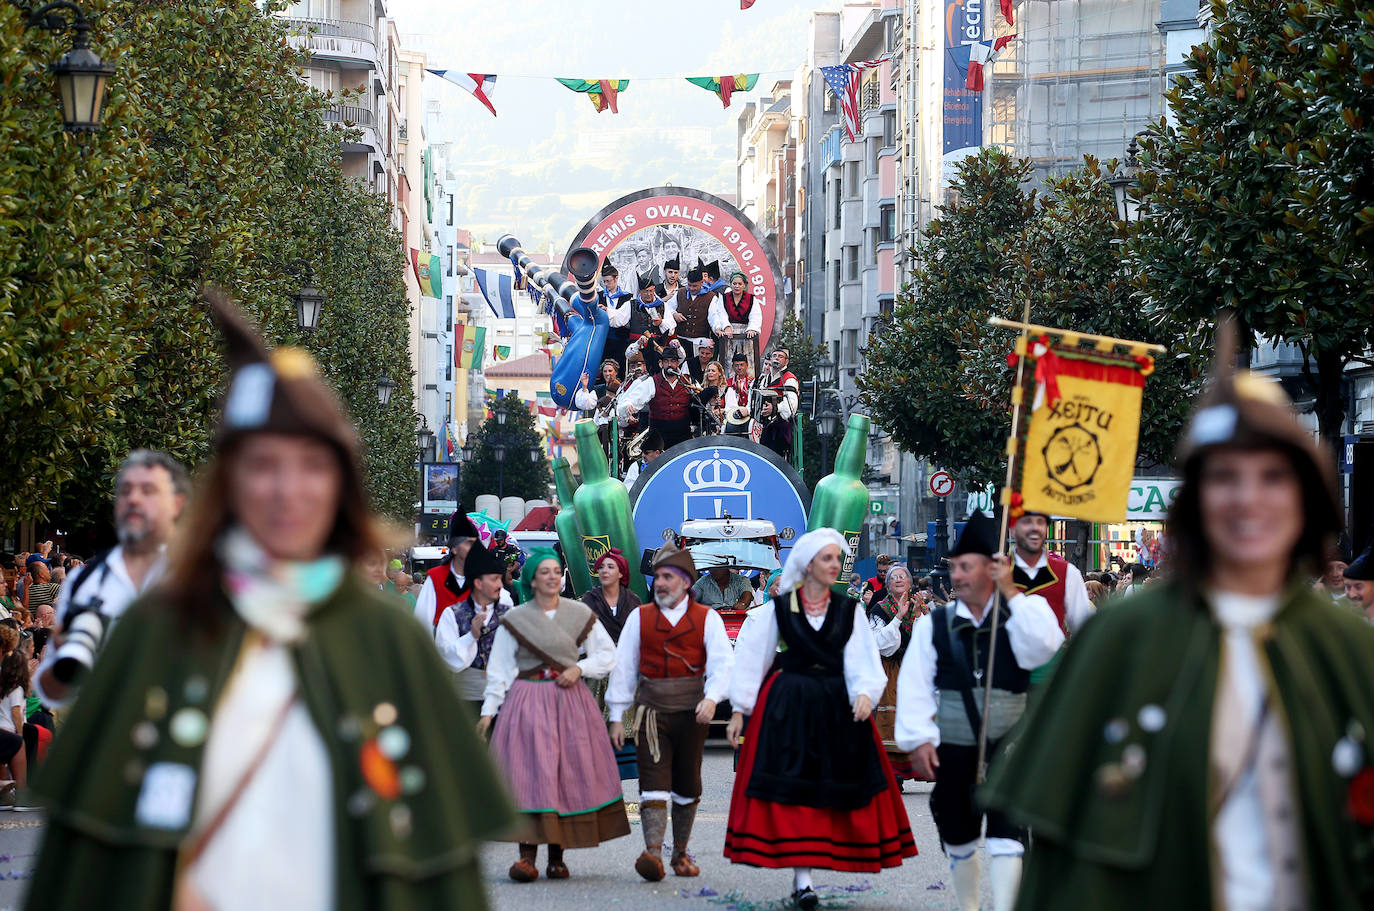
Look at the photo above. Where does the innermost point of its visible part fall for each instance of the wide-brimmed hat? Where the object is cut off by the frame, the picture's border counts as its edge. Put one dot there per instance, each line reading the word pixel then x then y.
pixel 1245 410
pixel 670 556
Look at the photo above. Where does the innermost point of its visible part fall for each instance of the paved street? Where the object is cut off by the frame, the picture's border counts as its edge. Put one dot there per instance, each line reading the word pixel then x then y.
pixel 602 878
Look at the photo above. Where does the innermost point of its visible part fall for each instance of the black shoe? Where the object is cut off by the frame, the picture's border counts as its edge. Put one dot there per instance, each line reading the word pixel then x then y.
pixel 806 899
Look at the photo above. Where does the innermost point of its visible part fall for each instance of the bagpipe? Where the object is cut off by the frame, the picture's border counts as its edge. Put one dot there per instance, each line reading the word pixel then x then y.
pixel 576 302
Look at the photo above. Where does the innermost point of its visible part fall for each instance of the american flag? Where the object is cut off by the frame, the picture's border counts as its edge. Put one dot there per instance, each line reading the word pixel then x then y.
pixel 844 82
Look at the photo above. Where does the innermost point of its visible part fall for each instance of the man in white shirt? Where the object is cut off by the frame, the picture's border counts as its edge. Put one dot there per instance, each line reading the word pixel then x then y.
pixel 674 659
pixel 446 583
pixel 151 489
pixel 1039 572
pixel 467 628
pixel 940 702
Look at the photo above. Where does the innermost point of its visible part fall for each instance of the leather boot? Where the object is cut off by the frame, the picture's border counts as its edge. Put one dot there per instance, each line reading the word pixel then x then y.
pixel 556 868
pixel 653 819
pixel 1004 873
pixel 684 814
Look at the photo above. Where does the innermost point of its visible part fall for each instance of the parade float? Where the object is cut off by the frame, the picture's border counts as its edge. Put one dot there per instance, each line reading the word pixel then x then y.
pixel 743 504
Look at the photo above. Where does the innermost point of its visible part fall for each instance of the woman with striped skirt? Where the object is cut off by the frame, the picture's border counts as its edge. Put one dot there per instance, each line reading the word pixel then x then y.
pixel 552 742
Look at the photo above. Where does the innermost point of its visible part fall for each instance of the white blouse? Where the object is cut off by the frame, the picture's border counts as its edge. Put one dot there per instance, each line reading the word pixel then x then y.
pixel 757 643
pixel 502 669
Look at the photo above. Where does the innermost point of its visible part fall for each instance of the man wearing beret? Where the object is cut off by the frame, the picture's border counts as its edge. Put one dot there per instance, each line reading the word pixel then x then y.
pixel 674 661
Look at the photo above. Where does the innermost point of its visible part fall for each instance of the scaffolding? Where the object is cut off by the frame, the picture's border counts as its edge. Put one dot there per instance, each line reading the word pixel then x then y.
pixel 1080 78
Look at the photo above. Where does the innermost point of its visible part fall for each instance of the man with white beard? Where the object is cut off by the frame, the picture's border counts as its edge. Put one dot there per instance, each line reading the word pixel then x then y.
pixel 673 659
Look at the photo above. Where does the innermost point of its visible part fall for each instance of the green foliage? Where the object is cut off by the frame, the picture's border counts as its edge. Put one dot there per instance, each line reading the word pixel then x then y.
pixel 517 476
pixel 938 380
pixel 214 167
pixel 1260 196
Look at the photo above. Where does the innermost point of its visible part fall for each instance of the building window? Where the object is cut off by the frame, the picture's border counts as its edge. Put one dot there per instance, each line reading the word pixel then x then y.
pixel 851 345
pixel 887 224
pixel 450 208
pixel 851 179
pixel 873 245
pixel 835 192
pixel 450 259
pixel 448 362
pixel 313 9
pixel 835 285
pixel 324 80
pixel 448 313
pixel 872 146
pixel 829 100
pixel 851 263
pixel 889 128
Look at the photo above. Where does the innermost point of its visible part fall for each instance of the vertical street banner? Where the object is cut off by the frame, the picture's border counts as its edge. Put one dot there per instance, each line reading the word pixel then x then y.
pixel 1075 451
pixel 967 23
pixel 427 273
pixel 469 346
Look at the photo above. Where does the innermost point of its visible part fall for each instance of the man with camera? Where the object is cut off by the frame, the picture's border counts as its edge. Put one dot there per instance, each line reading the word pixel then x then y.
pixel 151 489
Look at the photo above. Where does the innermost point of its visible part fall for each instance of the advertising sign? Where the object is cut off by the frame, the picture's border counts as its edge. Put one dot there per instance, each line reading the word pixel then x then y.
pixel 640 232
pixel 1150 499
pixel 713 476
pixel 441 487
pixel 966 22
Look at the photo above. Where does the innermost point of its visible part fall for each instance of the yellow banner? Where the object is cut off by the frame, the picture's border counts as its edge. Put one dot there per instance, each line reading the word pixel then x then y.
pixel 1078 456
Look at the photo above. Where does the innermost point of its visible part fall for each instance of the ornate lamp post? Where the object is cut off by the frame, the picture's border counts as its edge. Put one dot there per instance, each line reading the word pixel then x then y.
pixel 81 75
pixel 385 386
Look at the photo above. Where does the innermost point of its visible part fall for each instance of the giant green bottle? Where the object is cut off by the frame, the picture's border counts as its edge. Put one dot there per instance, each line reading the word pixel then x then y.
pixel 569 530
pixel 841 499
pixel 603 508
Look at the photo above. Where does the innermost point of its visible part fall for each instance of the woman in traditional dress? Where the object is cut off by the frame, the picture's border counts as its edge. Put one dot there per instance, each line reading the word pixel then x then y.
pixel 892 619
pixel 814 787
pixel 613 602
pixel 552 741
pixel 265 731
pixel 1207 742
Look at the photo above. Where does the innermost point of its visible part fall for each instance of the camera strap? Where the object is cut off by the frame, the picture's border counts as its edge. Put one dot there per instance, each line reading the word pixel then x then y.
pixel 99 561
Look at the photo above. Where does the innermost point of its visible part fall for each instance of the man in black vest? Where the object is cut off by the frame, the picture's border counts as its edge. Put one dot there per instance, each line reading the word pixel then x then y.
pixel 940 693
pixel 668 398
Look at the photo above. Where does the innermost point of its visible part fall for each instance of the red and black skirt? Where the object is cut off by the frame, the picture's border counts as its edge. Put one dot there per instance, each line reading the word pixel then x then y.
pixel 814 788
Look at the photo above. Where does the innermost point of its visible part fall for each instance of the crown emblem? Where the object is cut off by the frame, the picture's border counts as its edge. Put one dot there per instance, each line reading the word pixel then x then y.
pixel 716 473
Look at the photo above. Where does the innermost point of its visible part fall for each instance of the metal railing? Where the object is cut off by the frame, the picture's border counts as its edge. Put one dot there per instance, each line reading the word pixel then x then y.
pixel 352 114
pixel 335 28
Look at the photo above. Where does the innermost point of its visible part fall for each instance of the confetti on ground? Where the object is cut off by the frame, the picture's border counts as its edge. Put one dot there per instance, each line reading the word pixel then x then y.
pixel 937 886
pixel 703 892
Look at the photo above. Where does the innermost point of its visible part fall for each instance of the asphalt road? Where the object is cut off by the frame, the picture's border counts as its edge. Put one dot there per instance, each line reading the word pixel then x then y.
pixel 603 878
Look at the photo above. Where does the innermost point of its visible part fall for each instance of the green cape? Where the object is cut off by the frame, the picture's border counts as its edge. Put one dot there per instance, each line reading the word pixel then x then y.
pixel 1145 843
pixel 364 656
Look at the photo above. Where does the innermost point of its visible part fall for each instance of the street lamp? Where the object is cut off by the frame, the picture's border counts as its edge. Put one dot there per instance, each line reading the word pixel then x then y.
pixel 1128 179
pixel 424 437
pixel 500 416
pixel 535 454
pixel 825 370
pixel 465 454
pixel 309 301
pixel 385 386
pixel 81 74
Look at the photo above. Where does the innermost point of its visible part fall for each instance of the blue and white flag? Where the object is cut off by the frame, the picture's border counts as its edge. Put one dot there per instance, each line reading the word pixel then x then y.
pixel 498 289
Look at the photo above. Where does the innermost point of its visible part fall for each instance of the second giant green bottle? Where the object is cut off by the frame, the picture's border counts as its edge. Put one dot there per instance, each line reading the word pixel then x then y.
pixel 568 528
pixel 603 509
pixel 841 499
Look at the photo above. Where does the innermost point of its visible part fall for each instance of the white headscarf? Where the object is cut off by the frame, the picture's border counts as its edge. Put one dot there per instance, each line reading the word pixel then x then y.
pixel 803 552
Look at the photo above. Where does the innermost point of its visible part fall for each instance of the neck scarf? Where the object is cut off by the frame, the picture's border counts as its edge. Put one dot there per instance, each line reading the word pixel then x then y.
pixel 464 611
pixel 274 596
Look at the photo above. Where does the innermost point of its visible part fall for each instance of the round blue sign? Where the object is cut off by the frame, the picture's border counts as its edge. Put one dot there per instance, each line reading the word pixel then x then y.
pixel 710 477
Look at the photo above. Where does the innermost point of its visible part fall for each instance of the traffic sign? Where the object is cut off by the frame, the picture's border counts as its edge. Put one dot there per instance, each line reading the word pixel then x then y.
pixel 941 484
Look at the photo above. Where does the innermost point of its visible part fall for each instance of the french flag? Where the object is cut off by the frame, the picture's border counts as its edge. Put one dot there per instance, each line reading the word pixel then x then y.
pixel 979 56
pixel 481 85
pixel 498 289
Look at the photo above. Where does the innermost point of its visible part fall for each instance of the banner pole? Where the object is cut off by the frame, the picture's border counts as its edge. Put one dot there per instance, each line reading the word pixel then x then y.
pixel 1073 338
pixel 1017 396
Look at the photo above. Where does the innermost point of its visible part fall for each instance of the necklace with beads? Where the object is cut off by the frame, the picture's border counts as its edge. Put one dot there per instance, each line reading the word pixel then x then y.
pixel 814 608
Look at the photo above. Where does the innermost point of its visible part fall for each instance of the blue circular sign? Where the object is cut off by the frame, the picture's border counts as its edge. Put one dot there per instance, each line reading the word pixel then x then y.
pixel 707 478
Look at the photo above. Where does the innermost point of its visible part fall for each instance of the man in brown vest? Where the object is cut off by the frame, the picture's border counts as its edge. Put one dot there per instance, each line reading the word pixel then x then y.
pixel 691 311
pixel 673 661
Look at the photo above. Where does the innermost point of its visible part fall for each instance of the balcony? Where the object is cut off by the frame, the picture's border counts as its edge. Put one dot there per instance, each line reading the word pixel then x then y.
pixel 352 45
pixel 355 117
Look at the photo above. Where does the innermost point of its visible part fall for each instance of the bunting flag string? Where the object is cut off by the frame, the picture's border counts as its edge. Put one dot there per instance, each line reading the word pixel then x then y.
pixel 481 85
pixel 602 92
pixel 725 86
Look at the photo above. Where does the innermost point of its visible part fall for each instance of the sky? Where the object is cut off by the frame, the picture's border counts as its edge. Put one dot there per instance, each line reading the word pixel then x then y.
pixel 548 162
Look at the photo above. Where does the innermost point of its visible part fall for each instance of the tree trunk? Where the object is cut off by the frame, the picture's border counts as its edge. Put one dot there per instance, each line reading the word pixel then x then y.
pixel 1330 403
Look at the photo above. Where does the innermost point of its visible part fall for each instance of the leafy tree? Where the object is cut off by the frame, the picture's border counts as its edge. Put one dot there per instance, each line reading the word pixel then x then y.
pixel 915 383
pixel 939 379
pixel 517 476
pixel 1260 196
pixel 224 174
pixel 65 268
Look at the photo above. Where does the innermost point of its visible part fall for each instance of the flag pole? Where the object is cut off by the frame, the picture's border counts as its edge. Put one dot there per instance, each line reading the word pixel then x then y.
pixel 1017 394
